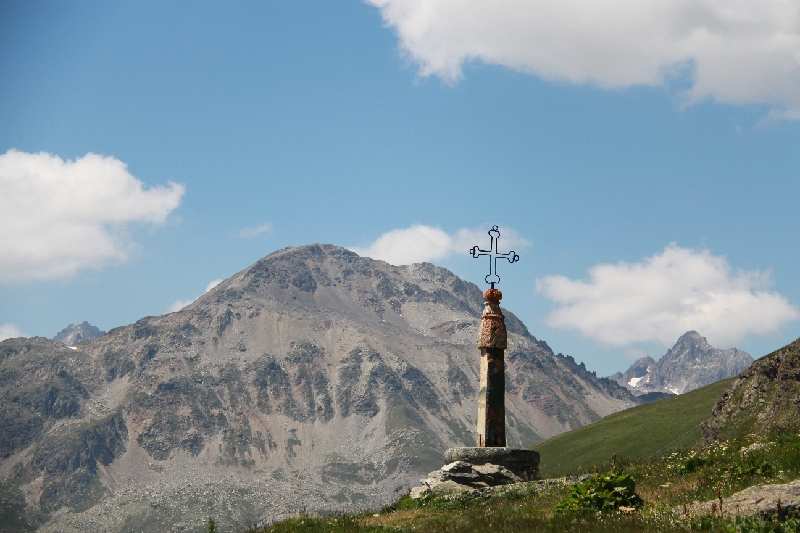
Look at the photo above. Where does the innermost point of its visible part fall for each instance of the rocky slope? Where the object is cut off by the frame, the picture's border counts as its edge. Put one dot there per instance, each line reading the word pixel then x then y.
pixel 75 333
pixel 690 364
pixel 313 379
pixel 765 398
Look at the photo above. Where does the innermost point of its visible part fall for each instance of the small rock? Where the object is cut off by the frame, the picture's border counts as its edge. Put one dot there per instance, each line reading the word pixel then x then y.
pixel 753 447
pixel 456 467
pixel 418 492
pixel 448 487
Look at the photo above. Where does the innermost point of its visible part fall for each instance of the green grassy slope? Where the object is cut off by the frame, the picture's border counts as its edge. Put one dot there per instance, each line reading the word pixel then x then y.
pixel 635 433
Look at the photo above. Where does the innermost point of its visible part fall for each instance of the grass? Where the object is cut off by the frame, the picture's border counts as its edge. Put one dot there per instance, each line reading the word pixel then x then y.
pixel 635 433
pixel 655 447
pixel 665 483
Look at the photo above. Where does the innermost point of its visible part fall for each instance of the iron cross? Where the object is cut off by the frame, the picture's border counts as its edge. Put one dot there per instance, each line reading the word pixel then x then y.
pixel 494 255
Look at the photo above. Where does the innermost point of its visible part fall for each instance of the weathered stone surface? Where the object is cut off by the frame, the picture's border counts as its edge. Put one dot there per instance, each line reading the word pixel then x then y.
pixel 460 476
pixel 452 489
pixel 524 463
pixel 492 340
pixel 491 399
pixel 492 333
pixel 763 500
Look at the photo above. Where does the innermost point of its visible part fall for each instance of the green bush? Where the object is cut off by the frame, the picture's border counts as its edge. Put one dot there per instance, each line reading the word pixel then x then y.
pixel 603 493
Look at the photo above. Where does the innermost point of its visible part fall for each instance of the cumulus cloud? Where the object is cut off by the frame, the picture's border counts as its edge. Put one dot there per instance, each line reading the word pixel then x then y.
pixel 10 331
pixel 57 217
pixel 663 297
pixel 177 305
pixel 246 233
pixel 420 243
pixel 737 52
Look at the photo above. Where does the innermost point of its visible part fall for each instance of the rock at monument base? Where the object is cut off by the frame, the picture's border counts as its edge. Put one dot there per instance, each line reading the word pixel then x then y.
pixel 762 500
pixel 459 476
pixel 479 468
pixel 523 463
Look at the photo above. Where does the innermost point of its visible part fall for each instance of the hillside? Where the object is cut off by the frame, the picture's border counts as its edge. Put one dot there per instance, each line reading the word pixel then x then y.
pixel 634 433
pixel 314 378
pixel 764 400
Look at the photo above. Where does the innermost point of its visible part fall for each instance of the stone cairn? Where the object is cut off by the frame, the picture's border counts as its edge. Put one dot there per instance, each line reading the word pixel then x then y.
pixel 489 464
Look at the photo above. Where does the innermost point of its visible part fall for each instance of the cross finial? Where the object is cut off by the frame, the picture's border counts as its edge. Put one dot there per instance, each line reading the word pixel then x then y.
pixel 494 255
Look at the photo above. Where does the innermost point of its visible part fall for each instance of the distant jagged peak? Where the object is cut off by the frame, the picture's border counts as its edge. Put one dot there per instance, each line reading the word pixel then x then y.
pixel 691 336
pixel 691 339
pixel 642 366
pixel 692 345
pixel 691 363
pixel 76 333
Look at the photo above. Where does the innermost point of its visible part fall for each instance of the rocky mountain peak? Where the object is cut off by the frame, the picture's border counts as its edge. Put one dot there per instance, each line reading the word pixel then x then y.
pixel 692 337
pixel 691 363
pixel 77 333
pixel 690 343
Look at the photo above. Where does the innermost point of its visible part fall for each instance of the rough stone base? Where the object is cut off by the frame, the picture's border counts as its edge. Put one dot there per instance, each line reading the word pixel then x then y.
pixel 522 463
pixel 459 476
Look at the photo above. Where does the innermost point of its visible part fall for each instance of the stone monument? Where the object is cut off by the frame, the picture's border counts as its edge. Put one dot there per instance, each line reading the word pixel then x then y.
pixel 490 463
pixel 493 341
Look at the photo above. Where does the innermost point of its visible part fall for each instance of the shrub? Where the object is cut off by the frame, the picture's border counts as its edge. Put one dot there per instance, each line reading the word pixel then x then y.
pixel 603 493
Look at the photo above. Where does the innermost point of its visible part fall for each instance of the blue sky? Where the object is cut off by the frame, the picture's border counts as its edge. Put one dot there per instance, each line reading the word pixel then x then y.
pixel 230 130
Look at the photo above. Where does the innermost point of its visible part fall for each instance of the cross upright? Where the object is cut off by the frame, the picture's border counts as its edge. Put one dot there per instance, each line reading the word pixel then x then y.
pixel 494 255
pixel 492 340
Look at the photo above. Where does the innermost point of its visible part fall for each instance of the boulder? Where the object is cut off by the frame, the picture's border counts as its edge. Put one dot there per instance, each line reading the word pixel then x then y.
pixel 763 500
pixel 460 476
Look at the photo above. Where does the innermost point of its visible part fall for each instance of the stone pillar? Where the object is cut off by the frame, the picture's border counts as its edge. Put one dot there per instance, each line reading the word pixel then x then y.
pixel 492 340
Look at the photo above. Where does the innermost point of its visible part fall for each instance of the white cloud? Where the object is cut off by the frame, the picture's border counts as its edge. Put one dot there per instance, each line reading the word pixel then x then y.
pixel 420 243
pixel 57 217
pixel 10 331
pixel 665 296
pixel 177 305
pixel 734 51
pixel 246 233
pixel 212 284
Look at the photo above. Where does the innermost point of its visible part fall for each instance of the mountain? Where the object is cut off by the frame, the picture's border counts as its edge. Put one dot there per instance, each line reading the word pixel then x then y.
pixel 690 364
pixel 764 399
pixel 73 334
pixel 313 379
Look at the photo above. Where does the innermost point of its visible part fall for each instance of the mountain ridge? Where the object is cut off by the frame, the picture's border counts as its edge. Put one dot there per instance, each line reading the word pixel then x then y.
pixel 313 375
